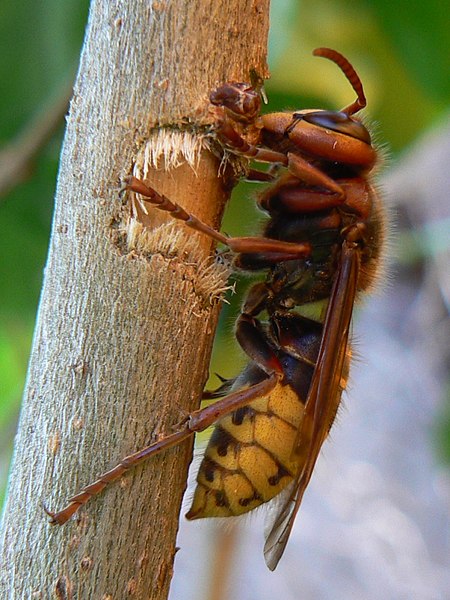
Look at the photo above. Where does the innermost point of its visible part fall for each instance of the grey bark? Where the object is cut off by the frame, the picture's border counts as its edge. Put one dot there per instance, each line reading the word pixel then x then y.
pixel 123 336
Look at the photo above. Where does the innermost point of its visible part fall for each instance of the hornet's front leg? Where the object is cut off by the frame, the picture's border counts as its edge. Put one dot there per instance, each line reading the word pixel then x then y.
pixel 304 171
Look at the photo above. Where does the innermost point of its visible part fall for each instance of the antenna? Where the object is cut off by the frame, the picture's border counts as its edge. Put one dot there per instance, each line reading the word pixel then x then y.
pixel 351 75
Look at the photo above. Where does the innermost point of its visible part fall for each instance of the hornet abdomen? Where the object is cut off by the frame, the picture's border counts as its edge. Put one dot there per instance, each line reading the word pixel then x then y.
pixel 249 457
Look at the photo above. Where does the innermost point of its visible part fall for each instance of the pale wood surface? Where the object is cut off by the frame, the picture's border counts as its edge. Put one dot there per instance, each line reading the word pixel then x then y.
pixel 122 340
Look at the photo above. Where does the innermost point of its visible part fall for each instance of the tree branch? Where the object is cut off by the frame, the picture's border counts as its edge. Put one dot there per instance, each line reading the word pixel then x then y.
pixel 126 318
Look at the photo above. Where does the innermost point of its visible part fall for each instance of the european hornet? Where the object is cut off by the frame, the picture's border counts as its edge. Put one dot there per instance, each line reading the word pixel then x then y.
pixel 321 244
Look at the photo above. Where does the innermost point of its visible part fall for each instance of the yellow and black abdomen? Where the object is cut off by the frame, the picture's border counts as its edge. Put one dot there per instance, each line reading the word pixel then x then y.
pixel 249 458
pixel 253 453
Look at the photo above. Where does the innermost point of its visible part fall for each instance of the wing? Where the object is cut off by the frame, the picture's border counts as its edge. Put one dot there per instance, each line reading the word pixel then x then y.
pixel 322 400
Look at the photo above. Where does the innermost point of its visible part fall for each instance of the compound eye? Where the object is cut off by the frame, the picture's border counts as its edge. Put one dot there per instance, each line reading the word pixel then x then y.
pixel 340 122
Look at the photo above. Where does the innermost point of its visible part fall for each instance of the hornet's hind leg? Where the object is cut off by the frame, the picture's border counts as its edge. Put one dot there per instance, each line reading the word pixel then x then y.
pixel 198 420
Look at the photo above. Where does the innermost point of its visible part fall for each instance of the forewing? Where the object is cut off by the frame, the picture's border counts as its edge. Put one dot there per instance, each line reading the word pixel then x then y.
pixel 322 400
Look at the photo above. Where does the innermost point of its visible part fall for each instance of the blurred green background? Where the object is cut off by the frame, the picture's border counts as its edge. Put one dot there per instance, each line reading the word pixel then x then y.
pixel 400 50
